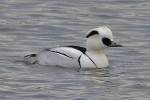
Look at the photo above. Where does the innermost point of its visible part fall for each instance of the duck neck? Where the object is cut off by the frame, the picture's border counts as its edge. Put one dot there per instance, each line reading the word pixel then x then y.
pixel 93 50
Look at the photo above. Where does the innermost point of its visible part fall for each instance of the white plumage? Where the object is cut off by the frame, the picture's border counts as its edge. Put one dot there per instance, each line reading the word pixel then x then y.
pixel 76 56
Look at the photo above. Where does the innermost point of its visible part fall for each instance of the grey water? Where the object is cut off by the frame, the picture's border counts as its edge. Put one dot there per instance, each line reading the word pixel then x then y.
pixel 29 26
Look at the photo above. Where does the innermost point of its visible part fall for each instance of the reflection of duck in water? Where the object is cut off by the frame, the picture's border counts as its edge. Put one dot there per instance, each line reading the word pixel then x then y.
pixel 75 56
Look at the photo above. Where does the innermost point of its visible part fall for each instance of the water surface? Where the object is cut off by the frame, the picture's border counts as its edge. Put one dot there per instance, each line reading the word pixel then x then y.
pixel 30 26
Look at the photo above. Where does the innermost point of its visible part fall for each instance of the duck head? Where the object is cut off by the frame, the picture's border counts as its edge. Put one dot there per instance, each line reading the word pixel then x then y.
pixel 100 38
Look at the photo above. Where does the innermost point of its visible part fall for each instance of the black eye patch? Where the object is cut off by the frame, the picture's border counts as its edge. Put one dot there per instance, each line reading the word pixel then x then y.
pixel 91 34
pixel 106 41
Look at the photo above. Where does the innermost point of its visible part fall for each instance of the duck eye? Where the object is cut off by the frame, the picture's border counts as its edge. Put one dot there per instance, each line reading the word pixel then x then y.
pixel 106 41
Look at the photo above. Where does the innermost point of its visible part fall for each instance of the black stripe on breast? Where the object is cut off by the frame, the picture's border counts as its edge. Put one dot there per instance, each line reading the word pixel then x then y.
pixel 82 49
pixel 79 61
pixel 92 61
pixel 62 54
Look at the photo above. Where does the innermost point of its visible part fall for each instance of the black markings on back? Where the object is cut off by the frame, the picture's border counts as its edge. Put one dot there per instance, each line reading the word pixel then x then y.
pixel 106 41
pixel 91 34
pixel 48 49
pixel 62 54
pixel 82 49
pixel 31 55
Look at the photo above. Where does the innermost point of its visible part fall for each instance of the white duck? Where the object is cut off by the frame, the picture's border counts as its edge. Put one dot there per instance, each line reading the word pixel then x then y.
pixel 76 56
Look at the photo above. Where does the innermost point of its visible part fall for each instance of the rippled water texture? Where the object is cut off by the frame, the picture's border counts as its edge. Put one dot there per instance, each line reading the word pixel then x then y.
pixel 28 26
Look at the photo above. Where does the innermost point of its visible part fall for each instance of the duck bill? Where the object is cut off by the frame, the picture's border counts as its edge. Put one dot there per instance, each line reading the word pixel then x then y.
pixel 113 44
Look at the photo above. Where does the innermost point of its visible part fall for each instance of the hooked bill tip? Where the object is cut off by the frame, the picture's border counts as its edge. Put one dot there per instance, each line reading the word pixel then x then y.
pixel 113 44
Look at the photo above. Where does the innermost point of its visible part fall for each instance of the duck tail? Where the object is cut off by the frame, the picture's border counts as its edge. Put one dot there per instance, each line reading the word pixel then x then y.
pixel 30 59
